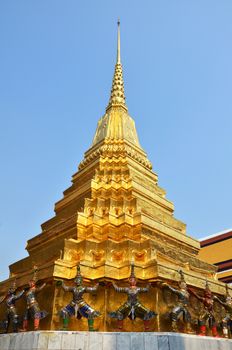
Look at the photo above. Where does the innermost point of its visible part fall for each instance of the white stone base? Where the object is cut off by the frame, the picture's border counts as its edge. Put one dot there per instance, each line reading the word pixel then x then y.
pixel 58 340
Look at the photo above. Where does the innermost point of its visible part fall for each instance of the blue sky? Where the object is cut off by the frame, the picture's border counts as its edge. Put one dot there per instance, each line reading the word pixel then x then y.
pixel 56 62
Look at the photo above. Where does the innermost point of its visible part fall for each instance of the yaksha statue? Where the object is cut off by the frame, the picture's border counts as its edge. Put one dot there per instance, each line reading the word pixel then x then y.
pixel 227 320
pixel 181 309
pixel 11 312
pixel 33 310
pixel 78 305
pixel 132 308
pixel 207 315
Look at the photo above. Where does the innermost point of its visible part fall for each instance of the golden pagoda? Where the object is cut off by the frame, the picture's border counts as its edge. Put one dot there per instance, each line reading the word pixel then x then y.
pixel 113 212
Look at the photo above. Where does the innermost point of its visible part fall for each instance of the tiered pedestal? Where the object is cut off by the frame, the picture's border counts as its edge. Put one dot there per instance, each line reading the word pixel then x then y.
pixel 58 340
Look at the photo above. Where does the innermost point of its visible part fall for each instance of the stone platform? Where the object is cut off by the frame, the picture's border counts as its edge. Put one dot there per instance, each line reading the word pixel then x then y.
pixel 58 340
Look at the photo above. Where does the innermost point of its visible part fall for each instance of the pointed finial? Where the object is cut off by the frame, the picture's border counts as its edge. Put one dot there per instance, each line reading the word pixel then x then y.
pixel 132 275
pixel 78 270
pixel 78 279
pixel 181 275
pixel 207 288
pixel 35 274
pixel 118 44
pixel 117 96
pixel 13 286
pixel 182 282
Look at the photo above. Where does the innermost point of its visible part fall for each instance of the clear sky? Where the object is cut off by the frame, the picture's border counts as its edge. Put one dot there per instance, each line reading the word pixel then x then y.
pixel 56 66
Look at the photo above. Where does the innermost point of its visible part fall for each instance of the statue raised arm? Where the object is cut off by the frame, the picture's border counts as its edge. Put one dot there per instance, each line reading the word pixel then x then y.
pixel 132 308
pixel 33 309
pixel 207 315
pixel 78 305
pixel 181 308
pixel 11 311
pixel 227 320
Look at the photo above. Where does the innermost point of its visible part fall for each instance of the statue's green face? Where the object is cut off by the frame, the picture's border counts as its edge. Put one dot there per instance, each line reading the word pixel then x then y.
pixel 78 281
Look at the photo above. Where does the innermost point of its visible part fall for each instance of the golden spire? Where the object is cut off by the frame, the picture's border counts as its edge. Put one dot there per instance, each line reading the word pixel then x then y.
pixel 116 124
pixel 118 47
pixel 117 97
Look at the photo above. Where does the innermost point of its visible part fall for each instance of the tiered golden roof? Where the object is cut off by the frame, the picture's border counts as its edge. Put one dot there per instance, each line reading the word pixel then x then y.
pixel 114 212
